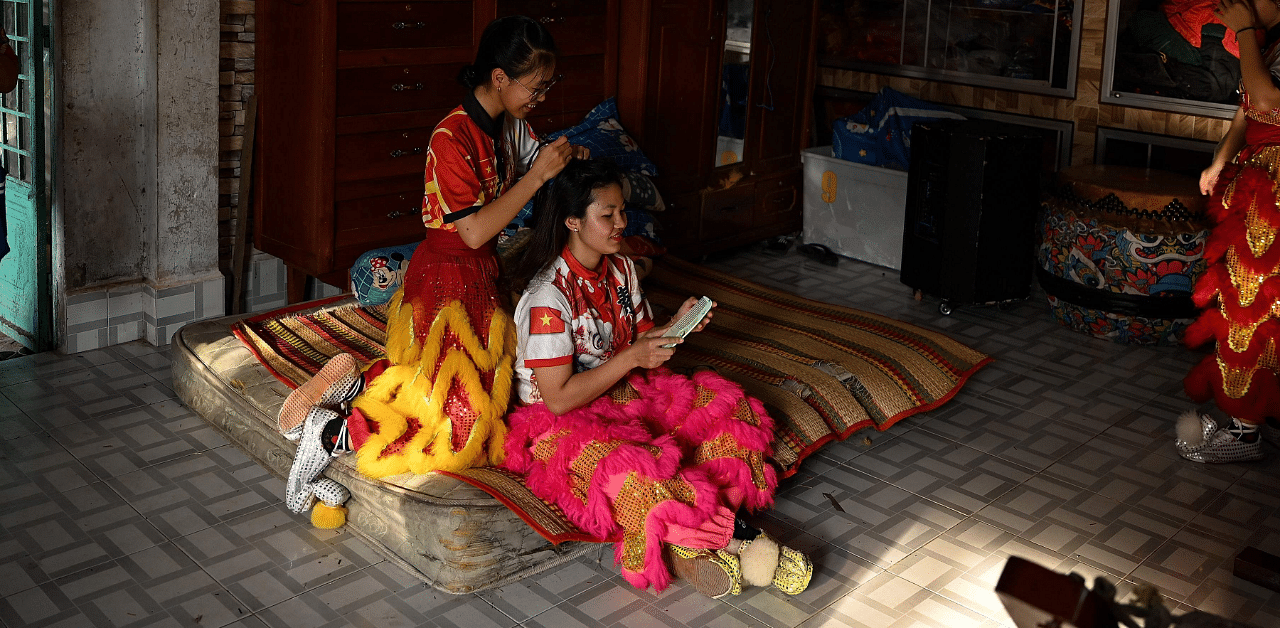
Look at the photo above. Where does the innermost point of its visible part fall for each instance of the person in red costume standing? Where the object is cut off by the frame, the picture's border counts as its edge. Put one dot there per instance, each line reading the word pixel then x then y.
pixel 1241 290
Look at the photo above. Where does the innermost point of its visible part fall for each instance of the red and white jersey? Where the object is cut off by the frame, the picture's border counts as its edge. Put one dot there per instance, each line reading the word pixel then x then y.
pixel 572 315
pixel 462 167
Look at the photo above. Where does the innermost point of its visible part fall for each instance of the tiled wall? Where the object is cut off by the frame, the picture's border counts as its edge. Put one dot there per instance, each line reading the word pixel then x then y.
pixel 116 314
pixel 104 317
pixel 268 285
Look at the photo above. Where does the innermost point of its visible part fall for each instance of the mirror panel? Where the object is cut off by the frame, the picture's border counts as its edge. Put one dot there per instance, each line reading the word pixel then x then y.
pixel 735 83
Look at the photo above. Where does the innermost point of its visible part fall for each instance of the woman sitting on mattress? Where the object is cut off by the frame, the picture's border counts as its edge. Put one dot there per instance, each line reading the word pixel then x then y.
pixel 437 401
pixel 628 450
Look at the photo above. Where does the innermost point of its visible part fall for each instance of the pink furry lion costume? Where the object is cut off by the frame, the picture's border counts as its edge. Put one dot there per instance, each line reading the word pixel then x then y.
pixel 677 455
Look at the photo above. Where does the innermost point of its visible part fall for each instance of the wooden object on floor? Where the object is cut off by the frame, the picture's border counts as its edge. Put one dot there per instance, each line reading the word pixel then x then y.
pixel 240 245
pixel 1259 567
pixel 1035 596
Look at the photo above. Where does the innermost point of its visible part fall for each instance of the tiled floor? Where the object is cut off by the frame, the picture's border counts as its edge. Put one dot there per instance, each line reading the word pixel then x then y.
pixel 119 507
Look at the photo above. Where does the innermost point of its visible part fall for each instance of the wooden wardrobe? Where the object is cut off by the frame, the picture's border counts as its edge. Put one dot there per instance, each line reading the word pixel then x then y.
pixel 350 90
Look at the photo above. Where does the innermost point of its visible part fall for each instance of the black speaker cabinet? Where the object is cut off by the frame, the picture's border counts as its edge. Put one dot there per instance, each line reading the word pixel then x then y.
pixel 973 190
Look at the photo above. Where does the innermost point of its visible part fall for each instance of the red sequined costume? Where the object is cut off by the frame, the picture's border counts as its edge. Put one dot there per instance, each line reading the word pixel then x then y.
pixel 662 458
pixel 1242 286
pixel 437 401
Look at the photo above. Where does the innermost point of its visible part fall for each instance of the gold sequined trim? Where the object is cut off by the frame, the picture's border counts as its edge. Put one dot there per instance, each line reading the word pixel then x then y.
pixel 1267 158
pixel 633 550
pixel 546 447
pixel 744 413
pixel 724 446
pixel 585 464
pixel 1236 380
pixel 1239 336
pixel 1247 283
pixel 1258 232
pixel 631 508
pixel 704 398
pixel 1266 117
pixel 623 394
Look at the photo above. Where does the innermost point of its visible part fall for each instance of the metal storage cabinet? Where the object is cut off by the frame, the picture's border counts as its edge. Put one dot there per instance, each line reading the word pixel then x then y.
pixel 972 195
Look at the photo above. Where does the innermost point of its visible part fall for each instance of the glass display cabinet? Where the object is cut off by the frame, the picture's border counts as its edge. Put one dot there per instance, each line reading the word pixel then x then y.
pixel 1170 55
pixel 1021 45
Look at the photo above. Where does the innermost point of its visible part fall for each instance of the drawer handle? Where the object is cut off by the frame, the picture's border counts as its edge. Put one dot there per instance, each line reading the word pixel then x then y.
pixel 400 87
pixel 392 215
pixel 403 25
pixel 549 20
pixel 401 153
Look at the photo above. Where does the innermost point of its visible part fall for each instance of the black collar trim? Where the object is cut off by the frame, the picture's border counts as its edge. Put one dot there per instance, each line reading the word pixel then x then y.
pixel 490 125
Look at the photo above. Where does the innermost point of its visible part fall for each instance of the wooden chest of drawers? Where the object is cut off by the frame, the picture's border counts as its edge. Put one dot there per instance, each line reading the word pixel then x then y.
pixel 349 92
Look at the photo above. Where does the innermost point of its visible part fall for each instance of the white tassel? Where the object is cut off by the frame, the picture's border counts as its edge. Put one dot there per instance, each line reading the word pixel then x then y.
pixel 759 561
pixel 1189 429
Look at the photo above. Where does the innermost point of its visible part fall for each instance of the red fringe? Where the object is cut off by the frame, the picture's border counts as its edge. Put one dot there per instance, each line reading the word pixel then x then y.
pixel 1204 382
pixel 1216 281
pixel 1212 326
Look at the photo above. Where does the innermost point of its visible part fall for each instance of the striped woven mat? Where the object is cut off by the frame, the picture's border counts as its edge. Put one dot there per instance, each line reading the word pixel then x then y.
pixel 823 371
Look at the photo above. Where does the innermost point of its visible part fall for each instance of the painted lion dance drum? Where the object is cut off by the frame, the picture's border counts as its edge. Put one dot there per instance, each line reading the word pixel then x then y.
pixel 1120 251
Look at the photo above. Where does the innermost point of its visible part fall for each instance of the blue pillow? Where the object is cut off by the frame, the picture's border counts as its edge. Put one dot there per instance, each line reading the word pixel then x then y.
pixel 377 275
pixel 603 134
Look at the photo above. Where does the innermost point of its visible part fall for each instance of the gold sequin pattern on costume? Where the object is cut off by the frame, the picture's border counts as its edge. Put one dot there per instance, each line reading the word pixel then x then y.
pixel 704 398
pixel 1236 380
pixel 725 446
pixel 1247 283
pixel 1266 117
pixel 623 394
pixel 1267 158
pixel 546 447
pixel 1258 232
pixel 743 412
pixel 1239 336
pixel 631 510
pixel 585 464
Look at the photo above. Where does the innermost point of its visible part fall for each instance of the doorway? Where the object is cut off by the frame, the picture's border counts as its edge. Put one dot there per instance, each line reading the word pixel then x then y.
pixel 26 272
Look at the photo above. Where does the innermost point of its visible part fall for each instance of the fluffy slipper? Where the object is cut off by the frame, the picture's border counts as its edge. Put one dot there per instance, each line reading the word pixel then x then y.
pixel 714 574
pixel 338 382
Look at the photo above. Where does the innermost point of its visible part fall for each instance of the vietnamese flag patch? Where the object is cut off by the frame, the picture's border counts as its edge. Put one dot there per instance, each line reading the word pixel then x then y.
pixel 545 320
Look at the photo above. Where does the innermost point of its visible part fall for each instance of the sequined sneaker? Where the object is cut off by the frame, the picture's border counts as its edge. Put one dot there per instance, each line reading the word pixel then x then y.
pixel 713 573
pixel 309 461
pixel 334 387
pixel 1213 444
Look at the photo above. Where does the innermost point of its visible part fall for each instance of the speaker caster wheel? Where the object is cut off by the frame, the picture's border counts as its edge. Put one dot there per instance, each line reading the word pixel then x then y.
pixel 944 308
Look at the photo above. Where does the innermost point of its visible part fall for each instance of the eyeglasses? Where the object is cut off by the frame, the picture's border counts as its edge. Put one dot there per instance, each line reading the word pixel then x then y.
pixel 539 93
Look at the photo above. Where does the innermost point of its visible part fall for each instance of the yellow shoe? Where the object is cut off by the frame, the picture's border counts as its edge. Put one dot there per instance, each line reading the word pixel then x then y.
pixel 713 573
pixel 765 562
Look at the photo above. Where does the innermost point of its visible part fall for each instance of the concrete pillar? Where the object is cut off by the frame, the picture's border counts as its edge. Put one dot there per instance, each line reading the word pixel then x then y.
pixel 137 156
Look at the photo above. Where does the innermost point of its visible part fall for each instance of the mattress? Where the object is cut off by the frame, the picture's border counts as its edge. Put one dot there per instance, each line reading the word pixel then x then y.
pixel 451 534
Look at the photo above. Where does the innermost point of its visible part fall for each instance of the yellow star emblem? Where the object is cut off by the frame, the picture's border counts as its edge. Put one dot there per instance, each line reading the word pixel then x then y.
pixel 546 320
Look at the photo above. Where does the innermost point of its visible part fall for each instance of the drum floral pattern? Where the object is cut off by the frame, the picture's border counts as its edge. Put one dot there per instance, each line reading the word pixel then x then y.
pixel 1099 255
